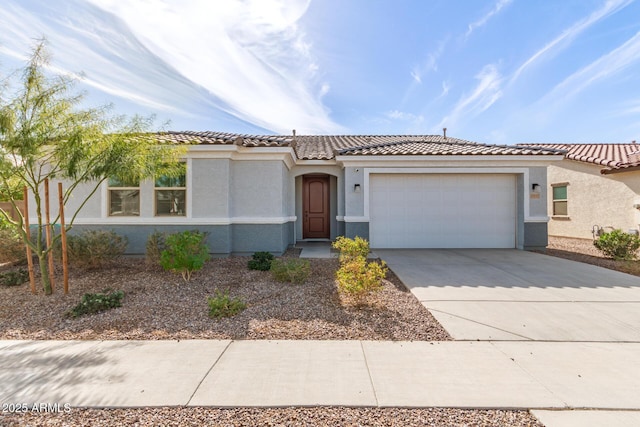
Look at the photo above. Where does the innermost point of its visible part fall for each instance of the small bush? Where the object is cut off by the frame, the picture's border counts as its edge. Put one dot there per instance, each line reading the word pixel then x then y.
pixel 155 246
pixel 223 306
pixel 351 248
pixel 94 248
pixel 261 261
pixel 185 253
pixel 12 248
pixel 359 278
pixel 95 303
pixel 14 278
pixel 293 270
pixel 618 245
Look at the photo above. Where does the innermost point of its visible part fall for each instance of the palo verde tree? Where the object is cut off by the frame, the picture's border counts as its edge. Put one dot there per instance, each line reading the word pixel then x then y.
pixel 44 134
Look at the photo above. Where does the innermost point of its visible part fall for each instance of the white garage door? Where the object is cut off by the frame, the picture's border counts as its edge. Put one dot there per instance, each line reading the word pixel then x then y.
pixel 442 210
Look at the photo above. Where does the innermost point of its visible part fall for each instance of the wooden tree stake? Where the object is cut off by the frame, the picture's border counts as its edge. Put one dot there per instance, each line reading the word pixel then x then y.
pixel 52 272
pixel 27 229
pixel 63 240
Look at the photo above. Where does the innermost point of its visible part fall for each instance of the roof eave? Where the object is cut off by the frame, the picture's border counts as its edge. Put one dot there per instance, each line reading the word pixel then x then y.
pixel 620 170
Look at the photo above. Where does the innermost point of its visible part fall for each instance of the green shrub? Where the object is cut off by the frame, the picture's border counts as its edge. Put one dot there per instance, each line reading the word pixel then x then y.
pixel 95 303
pixel 12 248
pixel 154 247
pixel 94 248
pixel 293 270
pixel 223 306
pixel 261 261
pixel 14 278
pixel 359 278
pixel 618 245
pixel 351 248
pixel 185 253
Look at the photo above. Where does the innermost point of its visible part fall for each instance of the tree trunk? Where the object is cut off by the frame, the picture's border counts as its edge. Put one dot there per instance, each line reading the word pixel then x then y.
pixel 44 274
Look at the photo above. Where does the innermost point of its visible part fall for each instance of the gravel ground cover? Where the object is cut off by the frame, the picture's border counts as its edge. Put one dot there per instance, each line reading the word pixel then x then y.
pixel 320 416
pixel 159 305
pixel 582 250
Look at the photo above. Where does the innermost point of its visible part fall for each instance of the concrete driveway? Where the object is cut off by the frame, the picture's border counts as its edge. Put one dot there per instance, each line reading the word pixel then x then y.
pixel 504 294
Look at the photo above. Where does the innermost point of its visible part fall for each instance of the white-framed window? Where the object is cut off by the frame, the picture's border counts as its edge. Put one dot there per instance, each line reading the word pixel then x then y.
pixel 171 195
pixel 560 199
pixel 124 198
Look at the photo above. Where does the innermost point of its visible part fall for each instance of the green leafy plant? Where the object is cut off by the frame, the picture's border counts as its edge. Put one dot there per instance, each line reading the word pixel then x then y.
pixel 221 305
pixel 185 253
pixel 154 247
pixel 618 245
pixel 293 270
pixel 95 303
pixel 261 261
pixel 359 278
pixel 356 277
pixel 94 248
pixel 14 278
pixel 351 248
pixel 46 134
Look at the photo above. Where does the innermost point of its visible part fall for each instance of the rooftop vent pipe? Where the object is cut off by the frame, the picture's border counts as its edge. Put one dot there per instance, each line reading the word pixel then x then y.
pixel 444 133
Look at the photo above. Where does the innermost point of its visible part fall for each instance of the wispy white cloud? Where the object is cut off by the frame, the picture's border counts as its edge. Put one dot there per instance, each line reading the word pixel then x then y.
pixel 446 87
pixel 614 62
pixel 250 54
pixel 430 63
pixel 404 116
pixel 500 4
pixel 485 94
pixel 631 108
pixel 568 35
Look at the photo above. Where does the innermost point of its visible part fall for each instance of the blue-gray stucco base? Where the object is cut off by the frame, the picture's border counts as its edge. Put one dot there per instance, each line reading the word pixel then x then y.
pixel 353 229
pixel 236 239
pixel 536 236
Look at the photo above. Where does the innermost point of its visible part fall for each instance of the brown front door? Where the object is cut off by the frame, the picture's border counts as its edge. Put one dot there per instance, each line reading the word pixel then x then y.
pixel 315 207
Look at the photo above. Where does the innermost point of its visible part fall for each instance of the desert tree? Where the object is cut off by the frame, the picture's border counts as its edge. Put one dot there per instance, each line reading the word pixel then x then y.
pixel 46 134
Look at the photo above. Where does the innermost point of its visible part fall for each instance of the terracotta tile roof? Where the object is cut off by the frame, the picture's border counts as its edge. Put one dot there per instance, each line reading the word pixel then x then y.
pixel 437 145
pixel 615 157
pixel 222 138
pixel 325 147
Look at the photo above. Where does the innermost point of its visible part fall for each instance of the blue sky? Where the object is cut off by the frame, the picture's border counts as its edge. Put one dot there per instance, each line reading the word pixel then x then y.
pixel 494 71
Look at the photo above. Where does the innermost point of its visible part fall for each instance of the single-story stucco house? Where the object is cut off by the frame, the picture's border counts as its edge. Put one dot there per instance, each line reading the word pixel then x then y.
pixel 596 187
pixel 265 193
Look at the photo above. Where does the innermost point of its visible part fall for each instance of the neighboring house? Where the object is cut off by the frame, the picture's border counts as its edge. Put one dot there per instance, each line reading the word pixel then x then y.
pixel 265 193
pixel 597 186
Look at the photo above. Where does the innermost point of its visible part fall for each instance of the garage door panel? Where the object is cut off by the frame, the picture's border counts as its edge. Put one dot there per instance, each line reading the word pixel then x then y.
pixel 442 210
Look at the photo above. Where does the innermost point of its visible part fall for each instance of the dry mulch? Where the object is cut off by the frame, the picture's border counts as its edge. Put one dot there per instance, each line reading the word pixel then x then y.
pixel 159 305
pixel 319 416
pixel 582 250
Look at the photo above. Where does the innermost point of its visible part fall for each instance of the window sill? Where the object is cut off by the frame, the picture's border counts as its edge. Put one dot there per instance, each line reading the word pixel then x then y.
pixel 561 217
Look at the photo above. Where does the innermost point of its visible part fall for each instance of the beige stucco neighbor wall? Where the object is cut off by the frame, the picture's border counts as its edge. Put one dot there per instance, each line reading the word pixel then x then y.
pixel 593 199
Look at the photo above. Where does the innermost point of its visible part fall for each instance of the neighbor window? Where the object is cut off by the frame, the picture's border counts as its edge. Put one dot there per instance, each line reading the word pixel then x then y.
pixel 124 198
pixel 170 194
pixel 560 200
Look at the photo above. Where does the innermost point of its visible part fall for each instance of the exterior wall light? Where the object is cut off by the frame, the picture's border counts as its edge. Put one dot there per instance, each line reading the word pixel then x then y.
pixel 356 188
pixel 535 188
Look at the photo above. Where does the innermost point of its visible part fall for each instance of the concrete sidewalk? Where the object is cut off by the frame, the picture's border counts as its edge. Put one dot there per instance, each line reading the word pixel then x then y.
pixel 527 375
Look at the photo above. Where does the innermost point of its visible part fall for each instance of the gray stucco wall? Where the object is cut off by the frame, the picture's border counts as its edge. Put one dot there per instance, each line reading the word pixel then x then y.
pixel 353 229
pixel 210 188
pixel 535 235
pixel 353 202
pixel 538 201
pixel 256 189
